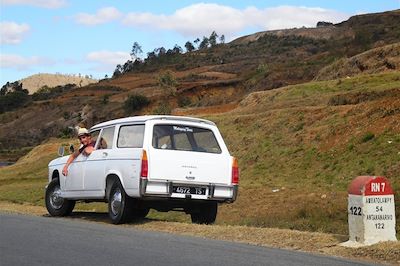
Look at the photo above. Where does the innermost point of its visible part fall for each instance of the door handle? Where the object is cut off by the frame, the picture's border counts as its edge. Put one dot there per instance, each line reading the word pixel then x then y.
pixel 105 154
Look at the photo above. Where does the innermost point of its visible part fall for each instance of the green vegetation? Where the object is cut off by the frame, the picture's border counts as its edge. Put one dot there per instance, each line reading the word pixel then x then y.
pixel 293 142
pixel 168 83
pixel 13 100
pixel 162 109
pixel 46 93
pixel 135 103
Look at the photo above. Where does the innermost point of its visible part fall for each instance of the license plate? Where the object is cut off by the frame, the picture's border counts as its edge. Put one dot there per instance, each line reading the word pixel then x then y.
pixel 189 190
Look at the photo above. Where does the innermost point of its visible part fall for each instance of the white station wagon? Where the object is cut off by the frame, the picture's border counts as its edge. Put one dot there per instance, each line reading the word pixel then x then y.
pixel 143 162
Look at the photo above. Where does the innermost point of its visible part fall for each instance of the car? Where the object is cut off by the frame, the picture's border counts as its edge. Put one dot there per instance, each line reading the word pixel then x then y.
pixel 166 163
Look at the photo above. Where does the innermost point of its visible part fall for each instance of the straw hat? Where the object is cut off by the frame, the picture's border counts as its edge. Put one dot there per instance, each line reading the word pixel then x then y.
pixel 83 131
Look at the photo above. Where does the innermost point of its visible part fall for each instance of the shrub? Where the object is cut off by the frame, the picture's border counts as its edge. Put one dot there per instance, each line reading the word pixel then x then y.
pixel 135 102
pixel 367 137
pixel 184 101
pixel 66 133
pixel 168 83
pixel 13 100
pixel 106 99
pixel 162 109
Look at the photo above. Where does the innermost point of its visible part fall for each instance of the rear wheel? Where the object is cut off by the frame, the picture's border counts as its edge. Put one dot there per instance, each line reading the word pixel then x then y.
pixel 55 204
pixel 119 204
pixel 205 213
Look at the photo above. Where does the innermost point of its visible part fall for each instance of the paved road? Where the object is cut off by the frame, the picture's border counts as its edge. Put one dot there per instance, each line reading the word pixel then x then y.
pixel 31 240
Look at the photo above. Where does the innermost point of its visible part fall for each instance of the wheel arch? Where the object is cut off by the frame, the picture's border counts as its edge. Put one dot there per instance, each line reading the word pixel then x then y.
pixel 55 174
pixel 110 179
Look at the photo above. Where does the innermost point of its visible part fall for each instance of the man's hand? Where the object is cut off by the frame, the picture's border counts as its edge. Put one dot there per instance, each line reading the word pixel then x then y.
pixel 65 170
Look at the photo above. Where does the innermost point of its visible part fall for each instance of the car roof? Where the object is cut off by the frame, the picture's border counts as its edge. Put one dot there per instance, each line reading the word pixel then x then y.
pixel 144 118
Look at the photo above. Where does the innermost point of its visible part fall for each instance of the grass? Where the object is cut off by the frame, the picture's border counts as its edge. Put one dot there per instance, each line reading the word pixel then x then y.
pixel 297 155
pixel 292 138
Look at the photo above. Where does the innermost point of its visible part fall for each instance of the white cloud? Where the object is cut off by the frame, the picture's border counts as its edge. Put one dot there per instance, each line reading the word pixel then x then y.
pixel 192 20
pixel 22 63
pixel 284 17
pixel 107 60
pixel 12 33
pixel 103 15
pixel 202 19
pixel 38 3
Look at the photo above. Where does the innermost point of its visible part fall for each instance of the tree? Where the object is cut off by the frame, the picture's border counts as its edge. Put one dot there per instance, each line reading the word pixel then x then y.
pixel 189 46
pixel 118 71
pixel 12 87
pixel 177 49
pixel 222 39
pixel 168 83
pixel 160 51
pixel 136 50
pixel 196 42
pixel 151 55
pixel 204 43
pixel 212 40
pixel 128 66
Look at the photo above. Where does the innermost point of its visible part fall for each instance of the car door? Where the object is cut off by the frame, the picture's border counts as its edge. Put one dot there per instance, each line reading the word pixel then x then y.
pixel 74 179
pixel 76 170
pixel 94 177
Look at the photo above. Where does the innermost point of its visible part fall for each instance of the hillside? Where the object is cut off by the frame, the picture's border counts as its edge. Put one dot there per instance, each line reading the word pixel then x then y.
pixel 381 59
pixel 208 81
pixel 298 148
pixel 37 81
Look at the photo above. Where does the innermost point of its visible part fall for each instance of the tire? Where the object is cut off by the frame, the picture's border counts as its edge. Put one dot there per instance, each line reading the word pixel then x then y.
pixel 139 214
pixel 119 204
pixel 57 206
pixel 205 213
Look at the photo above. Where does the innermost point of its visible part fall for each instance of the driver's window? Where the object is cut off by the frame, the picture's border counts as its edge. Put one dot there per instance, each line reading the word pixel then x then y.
pixel 106 139
pixel 94 135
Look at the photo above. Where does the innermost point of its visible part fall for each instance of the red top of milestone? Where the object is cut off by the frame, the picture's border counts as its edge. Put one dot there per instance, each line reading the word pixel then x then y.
pixel 370 186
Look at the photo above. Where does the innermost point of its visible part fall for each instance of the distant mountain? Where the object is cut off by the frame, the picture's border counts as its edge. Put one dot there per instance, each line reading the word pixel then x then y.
pixel 37 81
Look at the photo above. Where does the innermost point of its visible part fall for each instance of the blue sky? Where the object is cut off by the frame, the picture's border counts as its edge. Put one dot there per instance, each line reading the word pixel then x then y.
pixel 92 37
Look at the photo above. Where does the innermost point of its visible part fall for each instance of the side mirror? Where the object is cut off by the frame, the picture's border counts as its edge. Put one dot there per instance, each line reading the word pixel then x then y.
pixel 61 151
pixel 71 148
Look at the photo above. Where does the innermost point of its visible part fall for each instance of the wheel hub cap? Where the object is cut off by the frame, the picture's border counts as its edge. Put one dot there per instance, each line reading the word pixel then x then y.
pixel 56 200
pixel 116 202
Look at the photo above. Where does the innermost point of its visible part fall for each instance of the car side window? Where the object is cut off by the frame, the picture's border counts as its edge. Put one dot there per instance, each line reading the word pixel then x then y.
pixel 130 136
pixel 95 135
pixel 106 139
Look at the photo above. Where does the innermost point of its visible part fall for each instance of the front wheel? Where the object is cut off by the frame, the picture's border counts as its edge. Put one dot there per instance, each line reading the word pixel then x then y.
pixel 205 213
pixel 55 204
pixel 119 204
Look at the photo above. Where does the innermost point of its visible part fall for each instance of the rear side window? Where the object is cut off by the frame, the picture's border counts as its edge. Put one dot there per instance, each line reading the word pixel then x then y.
pixel 184 138
pixel 130 136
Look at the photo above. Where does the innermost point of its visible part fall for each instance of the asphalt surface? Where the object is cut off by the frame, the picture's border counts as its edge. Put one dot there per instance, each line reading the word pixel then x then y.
pixel 32 240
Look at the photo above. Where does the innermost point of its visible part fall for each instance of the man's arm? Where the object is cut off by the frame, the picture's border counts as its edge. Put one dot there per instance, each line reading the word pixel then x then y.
pixel 71 158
